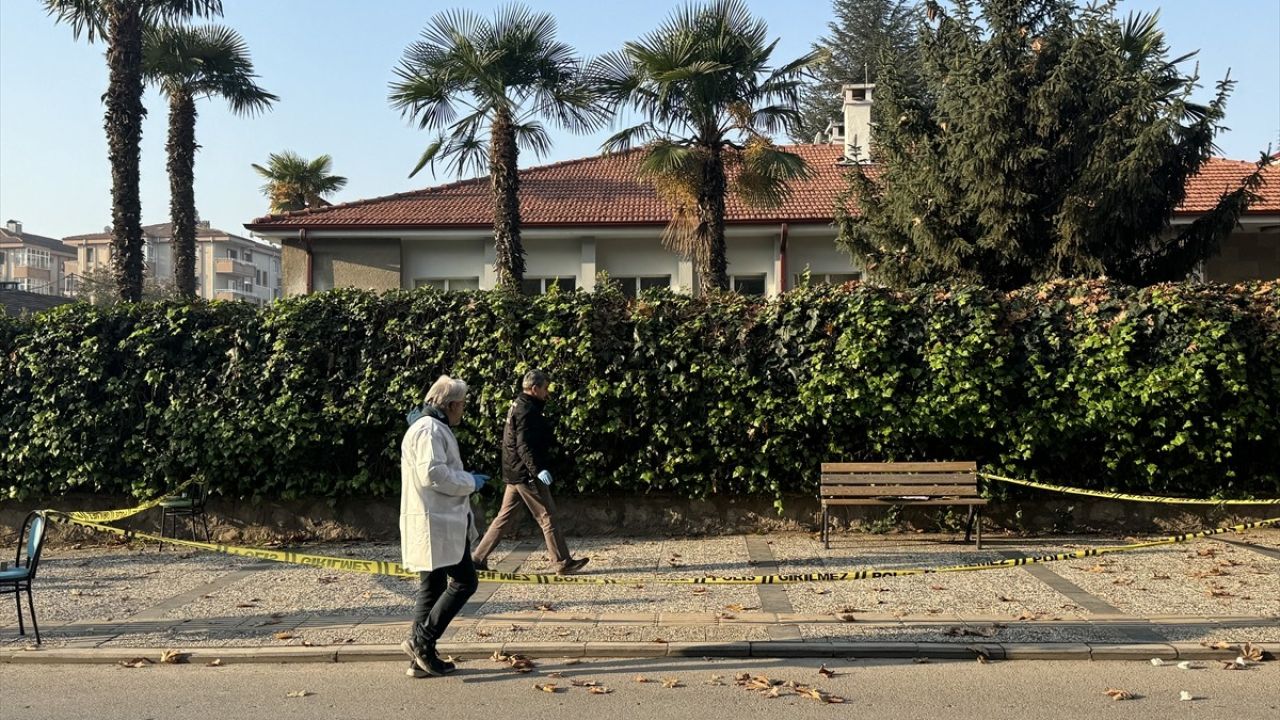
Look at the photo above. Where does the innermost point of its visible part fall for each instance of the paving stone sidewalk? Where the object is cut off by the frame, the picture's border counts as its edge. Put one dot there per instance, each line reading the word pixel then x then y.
pixel 1214 590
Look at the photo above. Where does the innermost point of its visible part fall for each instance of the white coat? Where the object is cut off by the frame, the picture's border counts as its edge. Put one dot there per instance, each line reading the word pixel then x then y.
pixel 435 498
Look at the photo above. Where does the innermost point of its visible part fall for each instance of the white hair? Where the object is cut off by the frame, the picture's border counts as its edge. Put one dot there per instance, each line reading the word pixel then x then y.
pixel 446 390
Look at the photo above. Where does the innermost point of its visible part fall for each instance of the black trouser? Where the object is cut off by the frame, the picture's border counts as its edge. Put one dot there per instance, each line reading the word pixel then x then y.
pixel 441 596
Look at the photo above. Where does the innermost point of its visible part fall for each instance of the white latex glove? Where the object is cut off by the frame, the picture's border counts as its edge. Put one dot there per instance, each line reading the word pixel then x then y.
pixel 545 477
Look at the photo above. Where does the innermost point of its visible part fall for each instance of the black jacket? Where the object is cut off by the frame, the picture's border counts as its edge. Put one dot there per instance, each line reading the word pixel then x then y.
pixel 527 441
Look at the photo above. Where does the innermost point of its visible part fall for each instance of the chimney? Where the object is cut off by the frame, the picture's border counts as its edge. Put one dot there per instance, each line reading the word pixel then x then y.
pixel 14 226
pixel 857 122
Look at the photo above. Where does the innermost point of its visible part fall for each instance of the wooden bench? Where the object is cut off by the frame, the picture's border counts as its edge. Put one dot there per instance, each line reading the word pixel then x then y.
pixel 905 483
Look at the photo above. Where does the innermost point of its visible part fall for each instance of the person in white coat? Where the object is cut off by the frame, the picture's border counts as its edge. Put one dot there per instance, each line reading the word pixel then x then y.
pixel 436 526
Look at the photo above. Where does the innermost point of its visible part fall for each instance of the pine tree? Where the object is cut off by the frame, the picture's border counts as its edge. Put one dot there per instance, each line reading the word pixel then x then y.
pixel 863 34
pixel 1038 140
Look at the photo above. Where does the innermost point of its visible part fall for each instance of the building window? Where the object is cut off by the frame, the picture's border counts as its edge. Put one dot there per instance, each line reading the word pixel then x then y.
pixel 448 284
pixel 231 253
pixel 248 256
pixel 33 258
pixel 826 278
pixel 747 284
pixel 633 286
pixel 539 286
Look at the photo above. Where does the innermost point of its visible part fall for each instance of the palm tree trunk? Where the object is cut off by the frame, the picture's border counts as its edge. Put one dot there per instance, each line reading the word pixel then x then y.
pixel 504 179
pixel 711 220
pixel 123 124
pixel 182 198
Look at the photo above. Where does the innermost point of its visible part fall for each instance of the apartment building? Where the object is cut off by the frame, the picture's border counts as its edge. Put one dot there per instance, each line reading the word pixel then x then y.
pixel 34 263
pixel 228 267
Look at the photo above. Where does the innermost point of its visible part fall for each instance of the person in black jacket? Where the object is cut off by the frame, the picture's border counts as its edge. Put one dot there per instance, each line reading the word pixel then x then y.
pixel 526 448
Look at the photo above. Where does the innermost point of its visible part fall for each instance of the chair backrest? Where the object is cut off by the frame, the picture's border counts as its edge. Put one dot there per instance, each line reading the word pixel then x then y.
pixel 31 542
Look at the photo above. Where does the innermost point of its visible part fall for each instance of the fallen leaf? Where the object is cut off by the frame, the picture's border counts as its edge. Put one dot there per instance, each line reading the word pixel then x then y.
pixel 1186 696
pixel 483 633
pixel 546 607
pixel 599 690
pixel 936 587
pixel 982 657
pixel 1188 665
pixel 737 607
pixel 282 635
pixel 825 671
pixel 546 687
pixel 136 662
pixel 174 657
pixel 1251 652
pixel 671 682
pixel 298 693
pixel 1237 664
pixel 642 679
pixel 715 680
pixel 216 662
pixel 699 591
pixel 1118 694
pixel 583 683
pixel 819 591
pixel 1217 645
pixel 1157 662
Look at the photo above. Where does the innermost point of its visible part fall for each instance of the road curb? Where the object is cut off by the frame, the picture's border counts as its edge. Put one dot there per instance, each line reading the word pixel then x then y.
pixel 754 649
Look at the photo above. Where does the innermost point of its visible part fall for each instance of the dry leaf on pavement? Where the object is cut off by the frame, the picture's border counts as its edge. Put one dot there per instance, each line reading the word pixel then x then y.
pixel 642 679
pixel 671 682
pixel 298 693
pixel 174 657
pixel 546 687
pixel 282 635
pixel 599 690
pixel 136 662
pixel 216 662
pixel 825 671
pixel 1118 694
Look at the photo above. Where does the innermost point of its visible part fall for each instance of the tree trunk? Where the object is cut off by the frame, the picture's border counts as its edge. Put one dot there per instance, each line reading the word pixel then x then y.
pixel 714 272
pixel 504 179
pixel 182 197
pixel 123 124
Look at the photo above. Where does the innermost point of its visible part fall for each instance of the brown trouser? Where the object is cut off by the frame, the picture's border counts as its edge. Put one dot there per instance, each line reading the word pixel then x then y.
pixel 537 497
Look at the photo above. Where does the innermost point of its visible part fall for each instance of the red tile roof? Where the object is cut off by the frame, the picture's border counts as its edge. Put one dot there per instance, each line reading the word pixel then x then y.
pixel 1219 176
pixel 604 191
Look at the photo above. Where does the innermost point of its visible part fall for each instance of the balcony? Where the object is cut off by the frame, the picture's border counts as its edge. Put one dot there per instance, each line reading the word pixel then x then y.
pixel 230 294
pixel 227 266
pixel 30 272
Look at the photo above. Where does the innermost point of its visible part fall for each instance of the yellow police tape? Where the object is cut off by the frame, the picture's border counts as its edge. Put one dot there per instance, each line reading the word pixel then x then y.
pixel 113 515
pixel 380 567
pixel 1165 500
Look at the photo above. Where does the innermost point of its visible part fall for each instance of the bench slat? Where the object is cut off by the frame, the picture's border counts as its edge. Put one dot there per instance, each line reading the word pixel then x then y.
pixel 896 501
pixel 900 479
pixel 877 490
pixel 839 467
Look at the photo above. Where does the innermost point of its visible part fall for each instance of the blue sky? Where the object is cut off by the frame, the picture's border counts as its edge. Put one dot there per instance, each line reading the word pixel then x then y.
pixel 330 62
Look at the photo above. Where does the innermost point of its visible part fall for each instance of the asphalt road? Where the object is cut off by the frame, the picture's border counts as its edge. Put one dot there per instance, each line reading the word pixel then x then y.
pixel 483 688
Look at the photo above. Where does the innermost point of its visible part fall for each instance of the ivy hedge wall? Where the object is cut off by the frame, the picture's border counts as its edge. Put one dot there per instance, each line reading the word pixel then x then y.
pixel 1172 389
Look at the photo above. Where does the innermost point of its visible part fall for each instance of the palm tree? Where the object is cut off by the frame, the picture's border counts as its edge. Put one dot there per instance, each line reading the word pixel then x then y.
pixel 120 24
pixel 703 83
pixel 503 72
pixel 188 63
pixel 295 183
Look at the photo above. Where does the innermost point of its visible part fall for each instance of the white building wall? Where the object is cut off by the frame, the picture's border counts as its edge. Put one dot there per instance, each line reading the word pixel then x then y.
pixel 638 257
pixel 553 257
pixel 441 258
pixel 818 255
pixel 752 255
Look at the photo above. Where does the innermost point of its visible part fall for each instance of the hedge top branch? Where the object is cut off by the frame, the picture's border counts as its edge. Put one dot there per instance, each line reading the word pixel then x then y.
pixel 96 521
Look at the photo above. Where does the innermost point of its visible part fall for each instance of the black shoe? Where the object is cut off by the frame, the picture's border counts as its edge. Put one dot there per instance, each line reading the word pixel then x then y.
pixel 571 567
pixel 426 659
pixel 414 671
pixel 483 565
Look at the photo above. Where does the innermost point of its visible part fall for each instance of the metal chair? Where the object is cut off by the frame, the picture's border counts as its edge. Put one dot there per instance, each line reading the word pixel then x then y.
pixel 23 573
pixel 188 504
